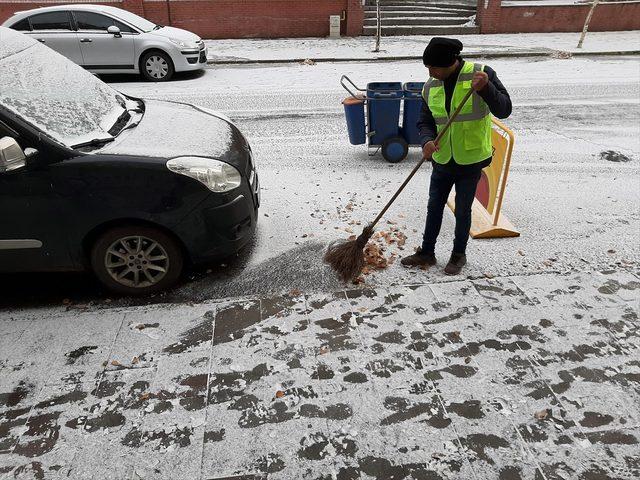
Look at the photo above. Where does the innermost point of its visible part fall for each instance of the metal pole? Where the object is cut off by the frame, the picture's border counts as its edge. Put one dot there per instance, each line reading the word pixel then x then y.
pixel 169 12
pixel 378 26
pixel 586 22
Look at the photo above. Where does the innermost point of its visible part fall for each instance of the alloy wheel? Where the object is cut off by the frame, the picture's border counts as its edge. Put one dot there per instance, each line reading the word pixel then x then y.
pixel 136 261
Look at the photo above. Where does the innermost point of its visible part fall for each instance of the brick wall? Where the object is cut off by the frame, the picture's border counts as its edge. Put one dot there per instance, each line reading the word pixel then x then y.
pixel 233 18
pixel 492 17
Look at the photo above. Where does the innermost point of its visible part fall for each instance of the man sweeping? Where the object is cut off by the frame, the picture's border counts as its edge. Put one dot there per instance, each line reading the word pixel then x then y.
pixel 464 150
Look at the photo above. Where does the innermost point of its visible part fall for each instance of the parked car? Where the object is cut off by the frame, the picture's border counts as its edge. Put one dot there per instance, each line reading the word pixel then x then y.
pixel 93 179
pixel 106 39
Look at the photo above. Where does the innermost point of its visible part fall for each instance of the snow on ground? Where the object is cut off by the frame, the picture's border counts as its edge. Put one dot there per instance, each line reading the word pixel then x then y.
pixel 533 373
pixel 575 208
pixel 568 201
pixel 362 47
pixel 512 378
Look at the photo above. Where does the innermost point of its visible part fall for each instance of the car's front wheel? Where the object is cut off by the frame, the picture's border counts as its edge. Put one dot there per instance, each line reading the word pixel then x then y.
pixel 136 260
pixel 156 66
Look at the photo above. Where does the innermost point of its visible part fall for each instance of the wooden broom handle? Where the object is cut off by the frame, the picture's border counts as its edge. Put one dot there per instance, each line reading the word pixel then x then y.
pixel 417 167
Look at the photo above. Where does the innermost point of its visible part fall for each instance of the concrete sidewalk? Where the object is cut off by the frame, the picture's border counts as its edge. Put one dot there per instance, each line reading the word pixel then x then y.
pixel 239 51
pixel 510 378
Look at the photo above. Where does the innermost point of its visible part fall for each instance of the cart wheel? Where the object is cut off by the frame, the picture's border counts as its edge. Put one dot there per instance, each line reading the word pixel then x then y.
pixel 395 149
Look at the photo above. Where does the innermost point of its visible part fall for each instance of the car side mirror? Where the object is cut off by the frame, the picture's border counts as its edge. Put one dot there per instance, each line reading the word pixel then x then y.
pixel 115 31
pixel 11 155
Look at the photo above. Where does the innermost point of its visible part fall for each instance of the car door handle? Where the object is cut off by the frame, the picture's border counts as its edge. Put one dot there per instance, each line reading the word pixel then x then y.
pixel 85 40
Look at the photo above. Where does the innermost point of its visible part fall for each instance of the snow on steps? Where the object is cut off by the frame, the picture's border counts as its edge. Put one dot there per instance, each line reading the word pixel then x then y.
pixel 421 17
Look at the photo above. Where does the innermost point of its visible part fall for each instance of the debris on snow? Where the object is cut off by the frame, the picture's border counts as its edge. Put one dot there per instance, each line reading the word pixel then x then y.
pixel 561 54
pixel 543 414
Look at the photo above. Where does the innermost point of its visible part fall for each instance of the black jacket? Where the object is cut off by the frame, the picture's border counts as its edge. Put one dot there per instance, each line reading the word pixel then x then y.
pixel 494 94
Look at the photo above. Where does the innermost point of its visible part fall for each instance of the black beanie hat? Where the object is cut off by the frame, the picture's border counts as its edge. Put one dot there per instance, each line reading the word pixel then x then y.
pixel 441 52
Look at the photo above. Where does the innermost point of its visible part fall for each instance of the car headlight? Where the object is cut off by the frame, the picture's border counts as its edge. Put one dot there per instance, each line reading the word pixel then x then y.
pixel 217 176
pixel 184 44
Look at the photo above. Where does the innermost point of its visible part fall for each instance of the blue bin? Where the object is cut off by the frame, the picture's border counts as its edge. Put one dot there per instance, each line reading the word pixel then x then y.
pixel 411 114
pixel 384 110
pixel 354 114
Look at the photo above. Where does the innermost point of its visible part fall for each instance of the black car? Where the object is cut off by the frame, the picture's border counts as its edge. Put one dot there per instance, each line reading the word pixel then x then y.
pixel 128 188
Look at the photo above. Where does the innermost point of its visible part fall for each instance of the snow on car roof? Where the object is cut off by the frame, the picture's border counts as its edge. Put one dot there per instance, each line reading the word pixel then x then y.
pixel 54 94
pixel 124 15
pixel 73 6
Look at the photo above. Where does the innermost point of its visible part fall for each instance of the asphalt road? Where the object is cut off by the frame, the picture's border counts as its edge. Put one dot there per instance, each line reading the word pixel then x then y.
pixel 573 189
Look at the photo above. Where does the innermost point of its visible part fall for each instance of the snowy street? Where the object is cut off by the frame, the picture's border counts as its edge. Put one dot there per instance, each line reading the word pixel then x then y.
pixel 571 191
pixel 264 367
pixel 575 208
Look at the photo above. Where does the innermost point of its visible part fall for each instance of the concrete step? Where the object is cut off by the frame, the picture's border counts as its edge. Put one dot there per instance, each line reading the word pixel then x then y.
pixel 390 30
pixel 418 21
pixel 467 3
pixel 420 14
pixel 417 4
pixel 418 8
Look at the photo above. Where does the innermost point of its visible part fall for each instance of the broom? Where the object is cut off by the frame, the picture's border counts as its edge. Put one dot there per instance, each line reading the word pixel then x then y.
pixel 346 257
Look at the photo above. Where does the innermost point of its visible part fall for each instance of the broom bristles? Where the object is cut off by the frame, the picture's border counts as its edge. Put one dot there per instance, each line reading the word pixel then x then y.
pixel 347 257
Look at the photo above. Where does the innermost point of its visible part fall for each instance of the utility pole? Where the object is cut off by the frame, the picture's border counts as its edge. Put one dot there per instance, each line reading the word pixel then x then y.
pixel 586 22
pixel 378 26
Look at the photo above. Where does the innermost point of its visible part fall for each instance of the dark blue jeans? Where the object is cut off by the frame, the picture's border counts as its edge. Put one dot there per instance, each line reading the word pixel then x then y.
pixel 441 184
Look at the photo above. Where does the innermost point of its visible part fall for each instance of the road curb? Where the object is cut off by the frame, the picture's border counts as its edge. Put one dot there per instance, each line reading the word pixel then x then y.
pixel 538 53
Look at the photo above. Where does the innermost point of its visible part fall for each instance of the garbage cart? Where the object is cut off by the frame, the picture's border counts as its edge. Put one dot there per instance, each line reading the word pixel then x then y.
pixel 373 116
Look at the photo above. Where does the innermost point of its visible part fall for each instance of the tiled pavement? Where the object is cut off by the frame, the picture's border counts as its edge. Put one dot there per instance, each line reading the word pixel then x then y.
pixel 534 377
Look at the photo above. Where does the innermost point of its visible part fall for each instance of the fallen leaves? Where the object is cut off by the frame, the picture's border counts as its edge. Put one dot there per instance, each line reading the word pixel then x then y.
pixel 374 257
pixel 393 235
pixel 542 414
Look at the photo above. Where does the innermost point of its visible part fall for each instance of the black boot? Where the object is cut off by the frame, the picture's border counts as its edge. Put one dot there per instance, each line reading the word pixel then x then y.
pixel 419 259
pixel 456 262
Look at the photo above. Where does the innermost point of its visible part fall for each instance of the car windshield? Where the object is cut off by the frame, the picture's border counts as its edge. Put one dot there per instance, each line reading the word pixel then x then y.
pixel 54 94
pixel 136 20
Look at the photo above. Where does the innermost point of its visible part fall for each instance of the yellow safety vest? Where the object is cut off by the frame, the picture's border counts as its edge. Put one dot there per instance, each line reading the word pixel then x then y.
pixel 468 139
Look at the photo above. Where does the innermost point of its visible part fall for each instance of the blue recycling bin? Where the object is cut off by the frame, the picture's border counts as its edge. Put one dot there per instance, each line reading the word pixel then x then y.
pixel 354 114
pixel 411 113
pixel 384 110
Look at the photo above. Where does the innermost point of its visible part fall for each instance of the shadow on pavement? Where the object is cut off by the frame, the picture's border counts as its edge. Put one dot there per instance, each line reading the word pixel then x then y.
pixel 300 268
pixel 126 78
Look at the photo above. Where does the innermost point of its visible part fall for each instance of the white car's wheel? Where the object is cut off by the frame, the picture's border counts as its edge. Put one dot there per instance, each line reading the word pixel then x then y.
pixel 156 66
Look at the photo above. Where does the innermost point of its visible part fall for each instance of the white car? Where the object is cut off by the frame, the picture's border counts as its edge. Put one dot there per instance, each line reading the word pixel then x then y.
pixel 106 39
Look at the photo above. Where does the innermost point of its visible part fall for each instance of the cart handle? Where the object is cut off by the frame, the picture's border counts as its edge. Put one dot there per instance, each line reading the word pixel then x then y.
pixel 404 86
pixel 353 85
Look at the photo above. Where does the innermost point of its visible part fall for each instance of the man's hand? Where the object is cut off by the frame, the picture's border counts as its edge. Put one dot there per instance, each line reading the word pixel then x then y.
pixel 428 149
pixel 479 81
